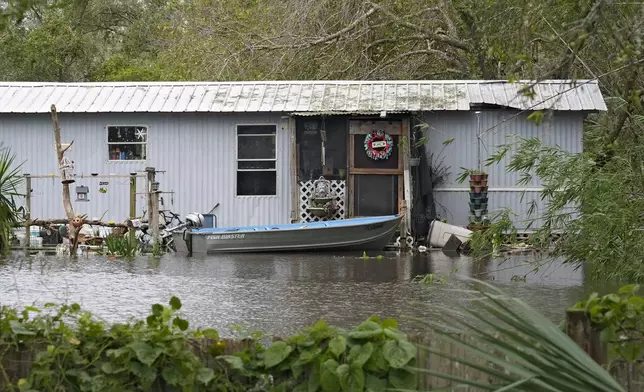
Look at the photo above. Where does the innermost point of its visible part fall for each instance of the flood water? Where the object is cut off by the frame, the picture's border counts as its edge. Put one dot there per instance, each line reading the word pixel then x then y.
pixel 277 294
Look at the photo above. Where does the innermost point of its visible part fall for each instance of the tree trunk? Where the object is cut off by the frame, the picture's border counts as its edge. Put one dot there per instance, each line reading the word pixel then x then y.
pixel 67 201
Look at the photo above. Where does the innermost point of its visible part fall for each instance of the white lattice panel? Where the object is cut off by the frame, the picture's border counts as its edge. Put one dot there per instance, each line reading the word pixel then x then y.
pixel 339 188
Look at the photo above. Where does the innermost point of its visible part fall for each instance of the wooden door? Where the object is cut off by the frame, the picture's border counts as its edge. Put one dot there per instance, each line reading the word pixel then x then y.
pixel 375 186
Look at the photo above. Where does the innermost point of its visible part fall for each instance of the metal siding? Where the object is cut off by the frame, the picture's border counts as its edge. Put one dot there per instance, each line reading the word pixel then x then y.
pixel 565 130
pixel 195 150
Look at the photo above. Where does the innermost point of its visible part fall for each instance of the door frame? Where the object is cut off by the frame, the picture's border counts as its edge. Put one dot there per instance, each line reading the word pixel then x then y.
pixel 362 126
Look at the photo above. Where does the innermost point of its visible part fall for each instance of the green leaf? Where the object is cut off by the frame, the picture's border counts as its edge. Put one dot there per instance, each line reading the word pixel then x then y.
pixel 329 380
pixel 377 362
pixel 301 387
pixel 19 329
pixel 279 388
pixel 338 345
pixel 108 368
pixel 536 116
pixel 398 353
pixel 351 377
pixel 171 375
pixel 210 333
pixel 180 323
pixel 395 334
pixel 276 353
pixel 157 309
pixel 205 375
pixel 145 353
pixel 449 141
pixel 390 323
pixel 629 289
pixel 361 353
pixel 145 373
pixel 366 330
pixel 235 363
pixel 314 377
pixel 309 354
pixel 175 303
pixel 375 384
pixel 402 379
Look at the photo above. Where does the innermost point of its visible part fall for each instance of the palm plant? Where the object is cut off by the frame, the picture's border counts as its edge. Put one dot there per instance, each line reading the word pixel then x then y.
pixel 10 181
pixel 513 347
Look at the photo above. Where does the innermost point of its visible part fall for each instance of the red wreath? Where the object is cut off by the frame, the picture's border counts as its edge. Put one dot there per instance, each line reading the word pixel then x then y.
pixel 378 136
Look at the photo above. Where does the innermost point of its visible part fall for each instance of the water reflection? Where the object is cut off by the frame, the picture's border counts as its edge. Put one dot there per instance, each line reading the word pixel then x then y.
pixel 276 293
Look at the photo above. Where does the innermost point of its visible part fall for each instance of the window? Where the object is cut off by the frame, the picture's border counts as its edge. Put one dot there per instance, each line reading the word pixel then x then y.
pixel 127 142
pixel 256 160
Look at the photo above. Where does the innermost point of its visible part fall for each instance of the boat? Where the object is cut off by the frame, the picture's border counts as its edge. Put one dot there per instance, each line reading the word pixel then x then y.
pixel 354 234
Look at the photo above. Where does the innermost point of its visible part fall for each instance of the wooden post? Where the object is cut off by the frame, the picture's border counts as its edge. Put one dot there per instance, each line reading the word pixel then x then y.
pixel 153 207
pixel 132 233
pixel 406 178
pixel 295 188
pixel 28 210
pixel 580 330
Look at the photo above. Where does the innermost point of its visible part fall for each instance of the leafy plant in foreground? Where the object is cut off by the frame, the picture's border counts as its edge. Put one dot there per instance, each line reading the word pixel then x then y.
pixel 621 318
pixel 76 352
pixel 373 356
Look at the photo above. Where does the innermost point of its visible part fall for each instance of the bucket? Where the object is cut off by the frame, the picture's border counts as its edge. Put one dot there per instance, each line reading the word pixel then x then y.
pixel 441 232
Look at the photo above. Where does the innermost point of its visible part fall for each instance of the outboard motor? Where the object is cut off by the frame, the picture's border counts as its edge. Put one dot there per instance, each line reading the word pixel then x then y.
pixel 195 220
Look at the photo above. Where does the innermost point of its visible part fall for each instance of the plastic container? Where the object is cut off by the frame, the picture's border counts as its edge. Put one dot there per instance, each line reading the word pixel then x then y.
pixel 35 242
pixel 440 232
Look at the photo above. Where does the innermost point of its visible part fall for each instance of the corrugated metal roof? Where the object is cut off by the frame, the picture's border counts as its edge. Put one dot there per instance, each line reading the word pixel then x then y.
pixel 294 96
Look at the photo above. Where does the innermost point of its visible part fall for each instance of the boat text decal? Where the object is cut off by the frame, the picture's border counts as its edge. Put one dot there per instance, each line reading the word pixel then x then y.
pixel 225 237
pixel 374 226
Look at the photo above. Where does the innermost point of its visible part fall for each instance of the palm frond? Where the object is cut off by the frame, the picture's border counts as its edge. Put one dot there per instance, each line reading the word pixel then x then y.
pixel 10 181
pixel 523 349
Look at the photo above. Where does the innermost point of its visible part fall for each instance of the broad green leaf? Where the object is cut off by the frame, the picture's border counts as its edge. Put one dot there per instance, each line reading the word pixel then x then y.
pixel 19 329
pixel 205 375
pixel 395 334
pixel 375 384
pixel 210 333
pixel 377 362
pixel 279 388
pixel 180 323
pixel 175 303
pixel 171 375
pixel 338 345
pixel 276 353
pixel 235 363
pixel 361 353
pixel 157 309
pixel 309 354
pixel 366 330
pixel 146 374
pixel 351 377
pixel 329 380
pixel 314 377
pixel 402 379
pixel 301 387
pixel 389 323
pixel 398 353
pixel 145 353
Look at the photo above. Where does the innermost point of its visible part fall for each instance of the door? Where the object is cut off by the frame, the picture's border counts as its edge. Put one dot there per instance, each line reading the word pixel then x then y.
pixel 376 181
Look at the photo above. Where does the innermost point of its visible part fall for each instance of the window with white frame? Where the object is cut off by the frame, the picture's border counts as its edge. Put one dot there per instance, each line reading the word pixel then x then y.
pixel 127 142
pixel 256 160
